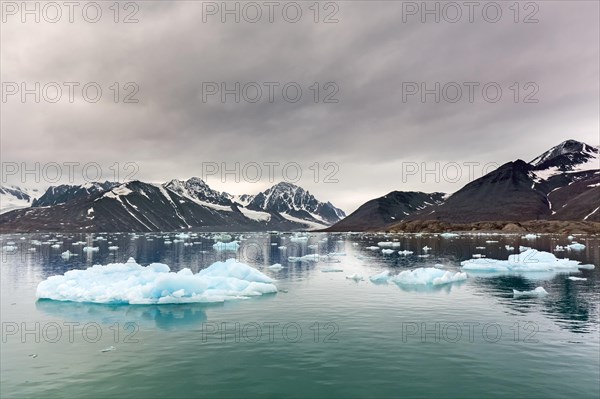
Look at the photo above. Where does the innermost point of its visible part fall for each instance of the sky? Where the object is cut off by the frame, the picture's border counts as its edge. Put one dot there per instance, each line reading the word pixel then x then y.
pixel 350 99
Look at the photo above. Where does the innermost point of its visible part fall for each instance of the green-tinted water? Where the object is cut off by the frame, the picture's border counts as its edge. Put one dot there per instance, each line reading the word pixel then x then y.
pixel 321 335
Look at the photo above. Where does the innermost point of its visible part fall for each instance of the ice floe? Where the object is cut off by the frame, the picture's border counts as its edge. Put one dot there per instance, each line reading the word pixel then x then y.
pixel 226 246
pixel 575 246
pixel 538 292
pixel 131 283
pixel 356 277
pixel 380 277
pixel 427 276
pixel 528 261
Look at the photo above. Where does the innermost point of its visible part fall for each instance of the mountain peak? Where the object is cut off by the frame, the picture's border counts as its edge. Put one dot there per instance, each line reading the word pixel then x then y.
pixel 572 153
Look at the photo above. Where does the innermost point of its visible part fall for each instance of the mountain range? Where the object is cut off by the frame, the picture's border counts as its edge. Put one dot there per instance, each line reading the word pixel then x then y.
pixel 176 205
pixel 562 184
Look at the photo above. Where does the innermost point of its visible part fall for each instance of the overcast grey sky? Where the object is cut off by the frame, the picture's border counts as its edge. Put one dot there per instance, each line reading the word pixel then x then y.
pixel 379 140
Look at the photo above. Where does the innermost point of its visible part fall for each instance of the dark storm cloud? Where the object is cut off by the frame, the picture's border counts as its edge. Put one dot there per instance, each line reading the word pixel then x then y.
pixel 368 54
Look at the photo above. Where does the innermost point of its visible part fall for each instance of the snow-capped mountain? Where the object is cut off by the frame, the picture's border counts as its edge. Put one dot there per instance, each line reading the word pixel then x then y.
pixel 63 193
pixel 14 197
pixel 294 202
pixel 197 190
pixel 175 205
pixel 563 183
pixel 570 156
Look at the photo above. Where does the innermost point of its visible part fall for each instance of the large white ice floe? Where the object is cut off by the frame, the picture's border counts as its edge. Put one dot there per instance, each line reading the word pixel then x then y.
pixel 130 283
pixel 427 276
pixel 529 260
pixel 420 276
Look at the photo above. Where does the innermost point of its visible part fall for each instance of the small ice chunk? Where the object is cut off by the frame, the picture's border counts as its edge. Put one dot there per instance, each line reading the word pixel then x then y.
pixel 305 258
pixel 67 254
pixel 577 278
pixel 91 249
pixel 530 236
pixel 373 248
pixel 509 248
pixel 448 235
pixel 276 266
pixel 331 270
pixel 356 277
pixel 405 252
pixel 426 248
pixel 108 349
pixel 538 292
pixel 113 248
pixel 385 243
pixel 576 246
pixel 226 246
pixel 387 251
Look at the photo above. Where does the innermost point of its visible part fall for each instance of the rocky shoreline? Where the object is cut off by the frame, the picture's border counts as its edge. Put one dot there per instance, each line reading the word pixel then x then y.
pixel 534 226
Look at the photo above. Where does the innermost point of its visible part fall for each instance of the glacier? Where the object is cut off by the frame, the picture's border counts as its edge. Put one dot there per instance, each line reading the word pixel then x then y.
pixel 131 283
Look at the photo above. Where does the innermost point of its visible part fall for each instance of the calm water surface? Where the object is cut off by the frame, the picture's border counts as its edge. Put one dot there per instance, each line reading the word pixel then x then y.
pixel 321 335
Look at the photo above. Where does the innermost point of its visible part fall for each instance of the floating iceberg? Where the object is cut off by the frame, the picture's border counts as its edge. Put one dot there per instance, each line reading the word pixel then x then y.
pixel 226 246
pixel 381 277
pixel 448 235
pixel 427 276
pixel 539 291
pixel 528 261
pixel 130 283
pixel 576 246
pixel 67 254
pixel 356 277
pixel 331 270
pixel 305 258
